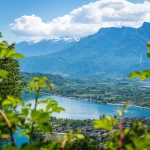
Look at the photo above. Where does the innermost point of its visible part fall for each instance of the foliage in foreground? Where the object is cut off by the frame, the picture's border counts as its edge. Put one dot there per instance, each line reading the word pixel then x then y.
pixel 136 137
pixel 85 144
pixel 16 115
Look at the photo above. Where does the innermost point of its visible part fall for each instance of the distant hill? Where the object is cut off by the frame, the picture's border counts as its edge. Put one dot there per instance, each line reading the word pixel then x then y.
pixel 111 50
pixel 43 47
pixel 56 79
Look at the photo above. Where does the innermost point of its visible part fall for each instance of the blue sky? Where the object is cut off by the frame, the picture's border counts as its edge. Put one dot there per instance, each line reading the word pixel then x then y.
pixel 44 9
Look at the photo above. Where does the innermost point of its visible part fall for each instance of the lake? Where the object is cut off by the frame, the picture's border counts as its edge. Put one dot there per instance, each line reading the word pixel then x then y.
pixel 83 109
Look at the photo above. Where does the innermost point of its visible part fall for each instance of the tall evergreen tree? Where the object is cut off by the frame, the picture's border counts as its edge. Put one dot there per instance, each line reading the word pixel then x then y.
pixel 11 85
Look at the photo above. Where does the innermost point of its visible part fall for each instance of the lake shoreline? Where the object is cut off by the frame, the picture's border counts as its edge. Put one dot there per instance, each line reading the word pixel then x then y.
pixel 91 100
pixel 130 105
pixel 85 108
pixel 116 104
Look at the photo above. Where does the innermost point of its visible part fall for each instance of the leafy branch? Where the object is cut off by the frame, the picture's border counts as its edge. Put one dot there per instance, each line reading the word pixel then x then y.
pixel 9 127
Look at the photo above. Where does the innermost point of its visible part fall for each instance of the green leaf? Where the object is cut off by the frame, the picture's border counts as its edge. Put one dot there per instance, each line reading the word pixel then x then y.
pixel 10 52
pixel 37 84
pixel 51 86
pixel 22 133
pixel 17 56
pixel 48 106
pixel 25 112
pixel 12 101
pixel 143 75
pixel 40 116
pixel 3 52
pixel 107 123
pixel 3 73
pixel 148 45
pixel 59 109
pixel 1 35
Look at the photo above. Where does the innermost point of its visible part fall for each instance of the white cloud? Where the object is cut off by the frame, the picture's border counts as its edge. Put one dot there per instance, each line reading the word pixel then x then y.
pixel 85 20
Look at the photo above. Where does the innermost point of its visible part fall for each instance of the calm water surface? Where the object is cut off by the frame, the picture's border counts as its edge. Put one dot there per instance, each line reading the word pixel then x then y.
pixel 83 109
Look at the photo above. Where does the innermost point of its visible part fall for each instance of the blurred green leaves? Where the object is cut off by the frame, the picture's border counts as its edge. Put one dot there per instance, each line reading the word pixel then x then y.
pixel 135 137
pixel 71 137
pixel 108 123
pixel 148 46
pixel 36 120
pixel 5 52
pixel 39 83
pixel 142 75
pixel 13 101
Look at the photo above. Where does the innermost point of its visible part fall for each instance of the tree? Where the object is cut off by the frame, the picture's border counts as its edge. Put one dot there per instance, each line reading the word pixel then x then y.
pixel 9 66
pixel 28 119
pixel 3 73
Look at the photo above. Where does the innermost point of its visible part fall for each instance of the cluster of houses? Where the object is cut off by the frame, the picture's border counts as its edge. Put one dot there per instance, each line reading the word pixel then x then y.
pixel 63 126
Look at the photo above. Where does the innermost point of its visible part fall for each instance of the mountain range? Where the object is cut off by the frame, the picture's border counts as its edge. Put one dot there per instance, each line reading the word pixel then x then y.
pixel 110 50
pixel 43 47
